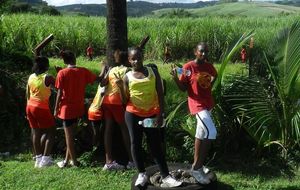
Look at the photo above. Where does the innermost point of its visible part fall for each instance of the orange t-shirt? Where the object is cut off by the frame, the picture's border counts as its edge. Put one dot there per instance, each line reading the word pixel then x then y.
pixel 72 82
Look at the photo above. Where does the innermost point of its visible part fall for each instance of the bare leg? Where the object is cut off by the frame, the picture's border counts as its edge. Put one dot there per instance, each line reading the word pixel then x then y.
pixel 126 139
pixel 108 140
pixel 36 141
pixel 201 151
pixel 70 143
pixel 48 142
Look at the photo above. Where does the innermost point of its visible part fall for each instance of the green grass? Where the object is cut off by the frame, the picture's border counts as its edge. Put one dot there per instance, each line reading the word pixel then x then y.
pixel 18 173
pixel 248 9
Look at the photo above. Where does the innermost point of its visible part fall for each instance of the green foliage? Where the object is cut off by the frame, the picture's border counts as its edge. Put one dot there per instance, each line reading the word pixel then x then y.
pixel 239 9
pixel 177 13
pixel 24 32
pixel 269 105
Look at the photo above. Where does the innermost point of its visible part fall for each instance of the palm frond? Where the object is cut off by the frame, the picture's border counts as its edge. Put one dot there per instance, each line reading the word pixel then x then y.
pixel 227 58
pixel 295 125
pixel 250 99
pixel 288 58
pixel 172 114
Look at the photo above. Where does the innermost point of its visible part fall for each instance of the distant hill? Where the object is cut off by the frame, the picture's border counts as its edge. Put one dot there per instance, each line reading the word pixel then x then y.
pixel 236 9
pixel 134 8
pixel 83 9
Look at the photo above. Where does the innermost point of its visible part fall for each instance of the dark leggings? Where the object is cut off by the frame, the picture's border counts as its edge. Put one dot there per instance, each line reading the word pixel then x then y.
pixel 153 139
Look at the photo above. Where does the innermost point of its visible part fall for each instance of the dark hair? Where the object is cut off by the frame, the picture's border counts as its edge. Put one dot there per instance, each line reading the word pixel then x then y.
pixel 68 57
pixel 202 44
pixel 138 49
pixel 40 65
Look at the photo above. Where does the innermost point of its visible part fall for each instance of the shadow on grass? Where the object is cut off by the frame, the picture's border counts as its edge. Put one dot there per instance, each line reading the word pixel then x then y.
pixel 224 186
pixel 250 165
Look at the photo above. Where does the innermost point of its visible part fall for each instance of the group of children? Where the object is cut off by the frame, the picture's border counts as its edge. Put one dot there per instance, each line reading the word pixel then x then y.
pixel 125 96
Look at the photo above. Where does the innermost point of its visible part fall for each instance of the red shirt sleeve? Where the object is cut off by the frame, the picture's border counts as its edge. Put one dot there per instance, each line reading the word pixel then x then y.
pixel 89 76
pixel 59 81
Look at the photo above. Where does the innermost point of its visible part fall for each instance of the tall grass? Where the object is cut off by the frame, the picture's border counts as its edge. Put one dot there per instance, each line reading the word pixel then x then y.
pixel 24 31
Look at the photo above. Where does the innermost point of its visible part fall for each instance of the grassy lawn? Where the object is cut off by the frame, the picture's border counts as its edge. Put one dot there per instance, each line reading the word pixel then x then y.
pixel 18 173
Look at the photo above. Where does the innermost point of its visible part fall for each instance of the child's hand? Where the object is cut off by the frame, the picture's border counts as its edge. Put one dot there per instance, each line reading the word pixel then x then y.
pixel 119 80
pixel 173 71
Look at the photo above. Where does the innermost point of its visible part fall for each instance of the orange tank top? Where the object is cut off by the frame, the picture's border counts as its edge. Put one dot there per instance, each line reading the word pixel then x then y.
pixel 38 91
pixel 143 100
pixel 112 92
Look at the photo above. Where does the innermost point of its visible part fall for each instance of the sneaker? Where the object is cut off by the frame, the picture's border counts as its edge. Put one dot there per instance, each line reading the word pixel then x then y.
pixel 113 166
pixel 130 165
pixel 169 181
pixel 200 176
pixel 38 159
pixel 46 161
pixel 141 180
pixel 62 164
pixel 205 169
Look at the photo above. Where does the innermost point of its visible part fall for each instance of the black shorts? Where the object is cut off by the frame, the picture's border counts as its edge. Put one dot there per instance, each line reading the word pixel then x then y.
pixel 69 122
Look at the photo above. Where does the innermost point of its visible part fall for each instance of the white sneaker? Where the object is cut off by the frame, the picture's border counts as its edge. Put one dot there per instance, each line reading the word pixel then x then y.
pixel 62 164
pixel 130 165
pixel 205 169
pixel 141 180
pixel 169 181
pixel 113 166
pixel 38 159
pixel 200 176
pixel 46 161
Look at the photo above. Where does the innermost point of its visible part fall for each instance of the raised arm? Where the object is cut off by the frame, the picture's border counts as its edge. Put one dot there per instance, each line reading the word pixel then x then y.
pixel 174 75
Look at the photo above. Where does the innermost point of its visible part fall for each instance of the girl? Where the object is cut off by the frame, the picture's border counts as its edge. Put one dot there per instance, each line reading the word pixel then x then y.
pixel 69 106
pixel 38 112
pixel 143 88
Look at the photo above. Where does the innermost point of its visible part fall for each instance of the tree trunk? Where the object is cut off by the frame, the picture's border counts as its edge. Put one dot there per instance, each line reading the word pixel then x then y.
pixel 116 24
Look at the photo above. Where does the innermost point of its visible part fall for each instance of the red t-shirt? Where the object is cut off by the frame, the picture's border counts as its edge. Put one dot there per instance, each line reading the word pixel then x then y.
pixel 197 77
pixel 72 83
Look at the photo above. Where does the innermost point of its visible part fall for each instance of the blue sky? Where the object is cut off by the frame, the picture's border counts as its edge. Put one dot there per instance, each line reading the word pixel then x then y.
pixel 69 2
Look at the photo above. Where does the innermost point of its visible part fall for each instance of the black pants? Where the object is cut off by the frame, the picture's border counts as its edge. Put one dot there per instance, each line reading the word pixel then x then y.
pixel 153 139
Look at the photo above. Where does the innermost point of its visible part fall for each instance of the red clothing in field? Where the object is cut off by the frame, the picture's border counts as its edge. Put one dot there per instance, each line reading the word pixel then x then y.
pixel 243 55
pixel 72 82
pixel 89 51
pixel 199 86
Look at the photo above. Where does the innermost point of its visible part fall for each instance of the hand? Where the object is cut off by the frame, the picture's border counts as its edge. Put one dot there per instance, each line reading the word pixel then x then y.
pixel 119 80
pixel 173 72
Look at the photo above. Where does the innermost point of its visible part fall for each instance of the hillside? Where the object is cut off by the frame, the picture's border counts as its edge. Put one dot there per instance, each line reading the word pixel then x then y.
pixel 236 9
pixel 134 8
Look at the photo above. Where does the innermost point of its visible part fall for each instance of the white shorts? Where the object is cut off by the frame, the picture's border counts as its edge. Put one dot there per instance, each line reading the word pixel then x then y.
pixel 206 128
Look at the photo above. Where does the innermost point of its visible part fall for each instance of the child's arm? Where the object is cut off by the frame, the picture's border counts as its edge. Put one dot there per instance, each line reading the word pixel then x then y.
pixel 57 102
pixel 179 84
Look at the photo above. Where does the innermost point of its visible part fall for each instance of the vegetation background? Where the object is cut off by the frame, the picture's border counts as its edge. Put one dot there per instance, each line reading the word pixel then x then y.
pixel 241 158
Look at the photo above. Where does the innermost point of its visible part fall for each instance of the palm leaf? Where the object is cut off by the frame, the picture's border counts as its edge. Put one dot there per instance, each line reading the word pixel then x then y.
pixel 269 106
pixel 226 59
pixel 288 59
pixel 250 100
